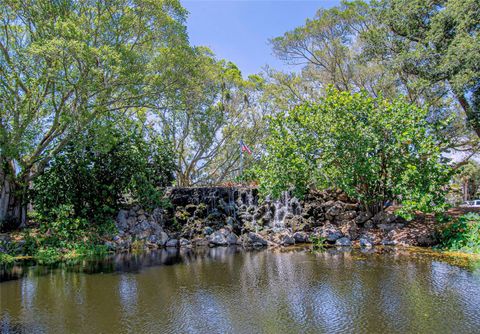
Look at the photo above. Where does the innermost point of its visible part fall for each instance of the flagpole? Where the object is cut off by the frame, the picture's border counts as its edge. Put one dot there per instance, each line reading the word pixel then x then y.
pixel 241 158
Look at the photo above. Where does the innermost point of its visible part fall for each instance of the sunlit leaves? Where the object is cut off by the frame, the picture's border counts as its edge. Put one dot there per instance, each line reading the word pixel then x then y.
pixel 373 149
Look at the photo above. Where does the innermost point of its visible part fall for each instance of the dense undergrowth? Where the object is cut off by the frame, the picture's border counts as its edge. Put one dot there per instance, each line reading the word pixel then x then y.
pixel 461 234
pixel 64 237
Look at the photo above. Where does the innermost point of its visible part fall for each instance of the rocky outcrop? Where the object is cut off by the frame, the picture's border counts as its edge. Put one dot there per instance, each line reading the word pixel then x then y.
pixel 223 216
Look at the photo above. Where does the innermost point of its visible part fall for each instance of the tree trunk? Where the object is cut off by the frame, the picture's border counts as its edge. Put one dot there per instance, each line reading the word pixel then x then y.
pixel 473 116
pixel 13 205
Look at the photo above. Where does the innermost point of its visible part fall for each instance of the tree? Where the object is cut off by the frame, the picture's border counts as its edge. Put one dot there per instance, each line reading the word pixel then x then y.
pixel 214 109
pixel 64 64
pixel 373 149
pixel 469 180
pixel 436 41
pixel 112 161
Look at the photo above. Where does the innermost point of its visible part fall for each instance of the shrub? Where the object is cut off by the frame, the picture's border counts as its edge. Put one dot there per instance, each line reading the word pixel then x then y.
pixel 375 150
pixel 462 234
pixel 103 168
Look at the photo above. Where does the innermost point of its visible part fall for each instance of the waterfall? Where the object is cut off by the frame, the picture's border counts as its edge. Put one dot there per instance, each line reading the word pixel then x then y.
pixel 285 206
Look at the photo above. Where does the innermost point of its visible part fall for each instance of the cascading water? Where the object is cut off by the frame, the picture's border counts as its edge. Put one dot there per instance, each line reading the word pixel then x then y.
pixel 285 206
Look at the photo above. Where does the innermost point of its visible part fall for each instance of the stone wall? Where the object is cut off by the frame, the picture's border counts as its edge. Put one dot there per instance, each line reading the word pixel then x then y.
pixel 221 216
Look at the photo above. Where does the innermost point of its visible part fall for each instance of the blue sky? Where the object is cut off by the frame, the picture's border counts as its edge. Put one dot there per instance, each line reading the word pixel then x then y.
pixel 239 30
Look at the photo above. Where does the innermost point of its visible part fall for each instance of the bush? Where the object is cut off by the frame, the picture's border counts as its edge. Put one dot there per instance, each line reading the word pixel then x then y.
pixel 105 167
pixel 462 234
pixel 375 150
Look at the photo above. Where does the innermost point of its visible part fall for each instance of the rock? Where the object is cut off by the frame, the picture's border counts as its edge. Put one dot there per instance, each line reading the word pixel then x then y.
pixel 300 237
pixel 254 240
pixel 132 221
pixel 368 224
pixel 333 236
pixel 172 243
pixel 351 206
pixel 387 242
pixel 365 242
pixel 232 239
pixel 157 215
pixel 230 222
pixel 286 239
pixel 142 217
pixel 343 242
pixel 426 239
pixel 389 227
pixel 200 242
pixel 207 230
pixel 122 220
pixel 162 238
pixel 362 217
pixel 347 215
pixel 184 243
pixel 218 239
pixel 349 229
pixel 384 217
pixel 332 212
pixel 152 239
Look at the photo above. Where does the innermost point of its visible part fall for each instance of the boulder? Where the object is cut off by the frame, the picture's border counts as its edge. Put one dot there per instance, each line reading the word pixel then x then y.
pixel 329 232
pixel 300 237
pixel 185 243
pixel 384 217
pixel 207 230
pixel 122 220
pixel 254 240
pixel 157 216
pixel 162 238
pixel 362 217
pixel 200 242
pixel 333 211
pixel 286 240
pixel 218 239
pixel 347 215
pixel 232 239
pixel 172 243
pixel 344 241
pixel 365 242
pixel 388 242
pixel 349 229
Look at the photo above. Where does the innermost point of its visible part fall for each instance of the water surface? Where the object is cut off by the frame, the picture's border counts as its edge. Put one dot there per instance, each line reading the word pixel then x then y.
pixel 226 290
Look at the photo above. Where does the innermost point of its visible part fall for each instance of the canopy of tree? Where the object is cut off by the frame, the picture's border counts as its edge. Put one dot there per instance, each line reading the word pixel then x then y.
pixel 120 80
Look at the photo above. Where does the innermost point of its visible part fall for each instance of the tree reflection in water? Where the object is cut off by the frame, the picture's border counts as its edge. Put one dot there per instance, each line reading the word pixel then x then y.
pixel 225 290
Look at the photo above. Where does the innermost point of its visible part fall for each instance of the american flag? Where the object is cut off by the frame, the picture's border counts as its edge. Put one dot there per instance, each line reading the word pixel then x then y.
pixel 245 148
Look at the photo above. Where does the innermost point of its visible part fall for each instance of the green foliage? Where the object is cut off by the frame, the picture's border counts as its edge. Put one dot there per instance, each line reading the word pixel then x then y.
pixel 66 64
pixel 6 259
pixel 373 149
pixel 318 242
pixel 462 234
pixel 436 42
pixel 94 175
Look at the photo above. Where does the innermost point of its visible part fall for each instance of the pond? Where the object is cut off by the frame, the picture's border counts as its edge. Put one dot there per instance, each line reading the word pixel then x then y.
pixel 228 290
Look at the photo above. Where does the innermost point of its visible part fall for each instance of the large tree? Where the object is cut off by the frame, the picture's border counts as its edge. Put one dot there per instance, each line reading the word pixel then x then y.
pixel 64 64
pixel 435 41
pixel 373 149
pixel 213 110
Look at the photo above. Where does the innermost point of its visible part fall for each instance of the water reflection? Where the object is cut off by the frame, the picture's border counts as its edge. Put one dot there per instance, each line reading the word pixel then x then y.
pixel 227 290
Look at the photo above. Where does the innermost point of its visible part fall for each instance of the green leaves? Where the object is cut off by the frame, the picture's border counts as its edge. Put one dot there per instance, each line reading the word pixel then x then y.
pixel 373 149
pixel 105 165
pixel 462 234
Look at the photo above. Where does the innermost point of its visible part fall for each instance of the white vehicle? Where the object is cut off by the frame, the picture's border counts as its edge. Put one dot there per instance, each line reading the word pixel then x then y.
pixel 472 204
